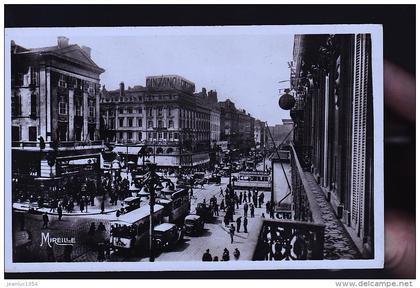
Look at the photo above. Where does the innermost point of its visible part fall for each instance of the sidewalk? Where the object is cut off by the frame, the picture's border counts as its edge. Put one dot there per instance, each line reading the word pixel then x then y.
pixel 91 210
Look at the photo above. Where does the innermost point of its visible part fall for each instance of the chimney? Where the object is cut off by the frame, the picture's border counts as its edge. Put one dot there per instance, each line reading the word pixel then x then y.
pixel 122 89
pixel 62 41
pixel 87 50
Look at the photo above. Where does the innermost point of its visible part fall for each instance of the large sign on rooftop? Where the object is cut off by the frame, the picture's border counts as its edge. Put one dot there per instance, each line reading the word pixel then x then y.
pixel 170 82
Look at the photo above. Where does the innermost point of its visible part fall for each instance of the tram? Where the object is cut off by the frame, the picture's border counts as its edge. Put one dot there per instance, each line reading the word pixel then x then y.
pixel 260 180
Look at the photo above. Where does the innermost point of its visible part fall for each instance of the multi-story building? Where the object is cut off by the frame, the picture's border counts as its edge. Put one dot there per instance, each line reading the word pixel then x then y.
pixel 333 118
pixel 260 134
pixel 229 123
pixel 280 134
pixel 55 112
pixel 246 125
pixel 165 115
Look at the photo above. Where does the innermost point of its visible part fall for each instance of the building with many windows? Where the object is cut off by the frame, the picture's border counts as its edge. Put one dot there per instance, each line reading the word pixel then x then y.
pixel 165 116
pixel 333 135
pixel 55 113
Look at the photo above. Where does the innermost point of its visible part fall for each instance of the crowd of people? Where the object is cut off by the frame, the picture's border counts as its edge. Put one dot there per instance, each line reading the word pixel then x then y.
pixel 207 257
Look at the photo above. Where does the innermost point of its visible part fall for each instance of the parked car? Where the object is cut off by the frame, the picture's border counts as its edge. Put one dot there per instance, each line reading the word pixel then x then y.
pixel 193 224
pixel 167 235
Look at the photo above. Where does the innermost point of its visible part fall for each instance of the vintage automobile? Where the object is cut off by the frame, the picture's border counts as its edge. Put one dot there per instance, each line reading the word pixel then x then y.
pixel 204 211
pixel 131 203
pixel 167 235
pixel 214 178
pixel 193 224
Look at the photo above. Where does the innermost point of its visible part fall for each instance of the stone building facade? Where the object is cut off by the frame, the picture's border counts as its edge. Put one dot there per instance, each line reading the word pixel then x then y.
pixel 333 118
pixel 165 115
pixel 55 112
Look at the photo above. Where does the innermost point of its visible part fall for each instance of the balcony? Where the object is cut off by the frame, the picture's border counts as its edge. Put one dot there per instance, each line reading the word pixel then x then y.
pixel 298 239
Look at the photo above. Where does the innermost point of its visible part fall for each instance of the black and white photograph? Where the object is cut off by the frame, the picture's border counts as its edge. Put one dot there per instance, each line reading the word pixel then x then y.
pixel 194 148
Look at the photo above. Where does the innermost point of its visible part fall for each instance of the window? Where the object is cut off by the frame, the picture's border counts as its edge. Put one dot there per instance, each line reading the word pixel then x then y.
pixel 92 111
pixel 121 110
pixel 140 110
pixel 130 122
pixel 160 124
pixel 111 123
pixel 121 135
pixel 169 111
pixel 129 135
pixel 165 135
pixel 160 113
pixel 15 133
pixel 149 135
pixel 154 135
pixel 171 124
pixel 78 108
pixel 33 105
pixel 32 133
pixel 16 107
pixel 129 110
pixel 160 135
pixel 170 135
pixel 121 120
pixel 139 122
pixel 150 124
pixel 149 112
pixel 176 136
pixel 62 110
pixel 34 76
pixel 140 136
pixel 62 81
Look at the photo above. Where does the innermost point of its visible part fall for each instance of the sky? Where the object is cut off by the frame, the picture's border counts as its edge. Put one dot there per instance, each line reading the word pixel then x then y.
pixel 242 64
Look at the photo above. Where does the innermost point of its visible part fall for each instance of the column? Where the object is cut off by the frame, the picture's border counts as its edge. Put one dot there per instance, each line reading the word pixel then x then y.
pixel 42 129
pixel 85 116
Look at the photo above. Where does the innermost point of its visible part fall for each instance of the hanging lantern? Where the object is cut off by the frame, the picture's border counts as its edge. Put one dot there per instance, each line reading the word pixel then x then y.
pixel 287 101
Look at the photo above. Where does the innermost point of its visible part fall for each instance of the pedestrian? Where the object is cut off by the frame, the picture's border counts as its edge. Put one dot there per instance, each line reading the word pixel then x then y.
pixel 102 206
pixel 249 195
pixel 267 207
pixel 238 224
pixel 266 250
pixel 216 209
pixel 60 212
pixel 262 215
pixel 236 253
pixel 207 256
pixel 221 192
pixel 82 205
pixel 222 205
pixel 260 199
pixel 226 256
pixel 240 197
pixel 246 209
pixel 226 220
pixel 216 259
pixel 252 209
pixel 245 224
pixel 231 232
pixel 101 227
pixel 45 220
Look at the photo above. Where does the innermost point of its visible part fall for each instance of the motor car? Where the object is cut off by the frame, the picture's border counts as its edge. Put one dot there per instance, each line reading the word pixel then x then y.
pixel 194 224
pixel 131 203
pixel 214 178
pixel 204 211
pixel 167 236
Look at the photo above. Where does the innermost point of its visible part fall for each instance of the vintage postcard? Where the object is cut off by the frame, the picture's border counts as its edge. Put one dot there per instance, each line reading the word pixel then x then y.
pixel 193 148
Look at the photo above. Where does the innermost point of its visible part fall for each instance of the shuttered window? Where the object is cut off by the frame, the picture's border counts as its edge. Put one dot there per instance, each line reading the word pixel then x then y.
pixel 359 129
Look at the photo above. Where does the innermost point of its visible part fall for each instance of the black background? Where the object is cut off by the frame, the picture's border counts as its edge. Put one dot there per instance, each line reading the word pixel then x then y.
pixel 399 47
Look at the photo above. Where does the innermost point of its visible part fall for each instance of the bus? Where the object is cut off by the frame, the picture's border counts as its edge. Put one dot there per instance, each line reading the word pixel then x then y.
pixel 131 230
pixel 176 203
pixel 260 180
